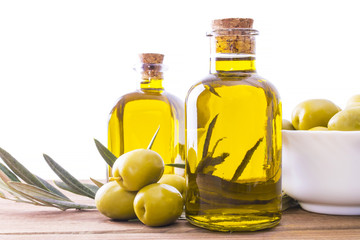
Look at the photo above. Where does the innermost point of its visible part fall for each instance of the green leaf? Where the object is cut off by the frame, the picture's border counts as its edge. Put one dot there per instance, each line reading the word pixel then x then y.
pixel 215 146
pixel 96 182
pixel 211 162
pixel 92 187
pixel 288 202
pixel 65 204
pixel 177 165
pixel 212 90
pixel 33 193
pixel 108 156
pixel 245 161
pixel 8 173
pixel 208 136
pixel 32 190
pixel 66 187
pixel 153 138
pixel 5 186
pixel 67 178
pixel 52 189
pixel 20 170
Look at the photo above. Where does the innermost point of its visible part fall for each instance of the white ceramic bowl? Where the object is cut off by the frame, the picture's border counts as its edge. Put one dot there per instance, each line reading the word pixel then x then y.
pixel 321 169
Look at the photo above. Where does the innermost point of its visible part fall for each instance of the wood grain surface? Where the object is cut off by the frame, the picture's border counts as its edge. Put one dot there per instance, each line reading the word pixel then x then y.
pixel 22 221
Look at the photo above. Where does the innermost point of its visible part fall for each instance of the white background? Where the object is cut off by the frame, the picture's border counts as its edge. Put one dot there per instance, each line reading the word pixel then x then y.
pixel 63 64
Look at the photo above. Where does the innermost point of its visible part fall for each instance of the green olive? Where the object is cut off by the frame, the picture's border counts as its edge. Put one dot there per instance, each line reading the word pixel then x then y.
pixel 138 168
pixel 313 113
pixel 319 129
pixel 354 101
pixel 158 204
pixel 115 202
pixel 346 120
pixel 287 125
pixel 174 180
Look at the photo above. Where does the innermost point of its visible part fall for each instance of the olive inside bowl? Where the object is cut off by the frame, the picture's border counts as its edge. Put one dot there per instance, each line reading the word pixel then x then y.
pixel 321 169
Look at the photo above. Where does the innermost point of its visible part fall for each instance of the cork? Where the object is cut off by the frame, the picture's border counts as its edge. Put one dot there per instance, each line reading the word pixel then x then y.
pixel 151 65
pixel 151 58
pixel 227 23
pixel 232 35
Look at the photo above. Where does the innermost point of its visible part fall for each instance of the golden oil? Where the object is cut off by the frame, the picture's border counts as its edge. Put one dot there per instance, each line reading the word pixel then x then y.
pixel 137 115
pixel 233 139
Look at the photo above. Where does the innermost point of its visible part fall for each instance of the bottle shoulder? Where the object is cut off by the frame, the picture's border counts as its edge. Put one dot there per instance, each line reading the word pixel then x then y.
pixel 158 98
pixel 212 82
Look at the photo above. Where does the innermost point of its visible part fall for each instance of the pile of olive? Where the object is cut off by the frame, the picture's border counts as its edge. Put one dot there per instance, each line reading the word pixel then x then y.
pixel 322 115
pixel 140 190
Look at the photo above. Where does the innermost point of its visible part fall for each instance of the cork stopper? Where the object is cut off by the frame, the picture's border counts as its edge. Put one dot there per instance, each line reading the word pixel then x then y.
pixel 151 65
pixel 228 23
pixel 234 35
pixel 151 58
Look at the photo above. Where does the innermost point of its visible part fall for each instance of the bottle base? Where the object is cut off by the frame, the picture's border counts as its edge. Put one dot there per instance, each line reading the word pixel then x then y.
pixel 234 223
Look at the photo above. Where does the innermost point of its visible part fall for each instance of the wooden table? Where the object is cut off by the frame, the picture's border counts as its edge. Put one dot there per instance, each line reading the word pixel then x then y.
pixel 22 221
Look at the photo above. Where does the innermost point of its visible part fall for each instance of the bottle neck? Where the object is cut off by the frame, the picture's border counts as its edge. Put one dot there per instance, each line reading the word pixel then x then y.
pixel 152 85
pixel 232 50
pixel 232 63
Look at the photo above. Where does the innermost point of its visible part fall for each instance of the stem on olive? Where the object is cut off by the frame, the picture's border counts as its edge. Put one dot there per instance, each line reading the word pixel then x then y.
pixel 115 178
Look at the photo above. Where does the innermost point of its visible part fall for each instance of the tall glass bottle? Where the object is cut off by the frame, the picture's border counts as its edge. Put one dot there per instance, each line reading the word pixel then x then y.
pixel 233 137
pixel 137 115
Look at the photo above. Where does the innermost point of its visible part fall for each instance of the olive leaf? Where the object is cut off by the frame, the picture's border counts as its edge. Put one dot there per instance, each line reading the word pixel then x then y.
pixel 35 190
pixel 8 173
pixel 153 138
pixel 66 187
pixel 52 189
pixel 2 195
pixel 65 204
pixel 26 194
pixel 210 162
pixel 46 198
pixel 288 202
pixel 245 161
pixel 32 190
pixel 212 90
pixel 4 186
pixel 20 170
pixel 208 136
pixel 177 165
pixel 215 146
pixel 108 156
pixel 13 163
pixel 96 182
pixel 67 178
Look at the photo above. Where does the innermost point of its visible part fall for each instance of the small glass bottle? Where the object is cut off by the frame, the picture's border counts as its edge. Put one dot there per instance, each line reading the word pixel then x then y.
pixel 233 137
pixel 137 115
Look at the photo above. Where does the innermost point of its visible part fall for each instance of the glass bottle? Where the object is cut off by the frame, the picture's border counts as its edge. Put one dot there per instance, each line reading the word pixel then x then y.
pixel 137 115
pixel 233 137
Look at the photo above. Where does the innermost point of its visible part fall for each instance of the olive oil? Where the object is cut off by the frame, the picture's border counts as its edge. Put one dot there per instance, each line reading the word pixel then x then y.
pixel 137 115
pixel 233 138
